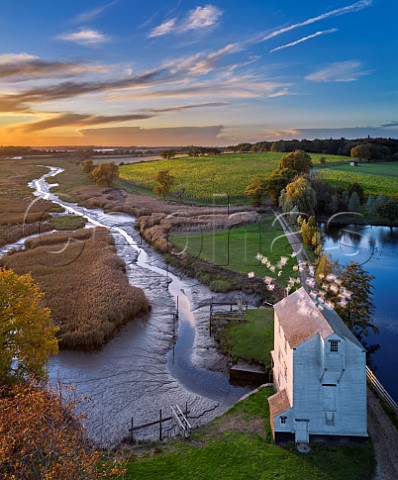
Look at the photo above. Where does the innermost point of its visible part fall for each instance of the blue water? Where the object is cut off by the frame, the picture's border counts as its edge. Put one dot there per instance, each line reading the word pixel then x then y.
pixel 376 249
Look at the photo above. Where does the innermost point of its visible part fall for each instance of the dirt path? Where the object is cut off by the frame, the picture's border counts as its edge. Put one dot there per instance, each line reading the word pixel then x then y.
pixel 385 440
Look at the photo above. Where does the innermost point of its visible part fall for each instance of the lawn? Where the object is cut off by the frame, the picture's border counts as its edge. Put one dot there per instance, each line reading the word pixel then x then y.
pixel 375 178
pixel 204 176
pixel 238 446
pixel 252 340
pixel 236 249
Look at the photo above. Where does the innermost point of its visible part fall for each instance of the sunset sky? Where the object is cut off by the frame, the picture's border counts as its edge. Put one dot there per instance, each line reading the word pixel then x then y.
pixel 178 72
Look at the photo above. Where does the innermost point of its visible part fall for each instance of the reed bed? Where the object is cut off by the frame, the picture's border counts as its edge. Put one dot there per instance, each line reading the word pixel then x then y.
pixel 84 283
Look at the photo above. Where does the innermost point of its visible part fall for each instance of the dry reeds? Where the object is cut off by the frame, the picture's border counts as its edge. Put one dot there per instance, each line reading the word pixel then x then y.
pixel 84 284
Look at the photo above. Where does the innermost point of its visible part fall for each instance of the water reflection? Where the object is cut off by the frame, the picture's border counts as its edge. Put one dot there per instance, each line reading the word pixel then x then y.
pixel 376 249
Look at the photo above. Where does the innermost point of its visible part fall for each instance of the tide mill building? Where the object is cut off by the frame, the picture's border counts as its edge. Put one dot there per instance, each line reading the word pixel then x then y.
pixel 319 371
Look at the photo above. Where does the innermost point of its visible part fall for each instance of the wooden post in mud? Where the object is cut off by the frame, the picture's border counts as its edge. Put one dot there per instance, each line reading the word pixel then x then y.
pixel 132 430
pixel 160 426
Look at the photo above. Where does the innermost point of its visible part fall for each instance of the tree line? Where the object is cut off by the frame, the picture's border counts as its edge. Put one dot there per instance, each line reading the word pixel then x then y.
pixel 379 148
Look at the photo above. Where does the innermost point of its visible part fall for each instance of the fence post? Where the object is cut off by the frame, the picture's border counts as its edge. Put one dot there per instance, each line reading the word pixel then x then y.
pixel 132 430
pixel 160 426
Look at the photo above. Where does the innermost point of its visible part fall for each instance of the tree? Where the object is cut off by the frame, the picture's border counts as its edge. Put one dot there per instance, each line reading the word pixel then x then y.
pixel 27 335
pixel 371 205
pixel 164 182
pixel 360 308
pixel 255 190
pixel 356 187
pixel 325 267
pixel 168 154
pixel 362 152
pixel 88 166
pixel 104 175
pixel 298 161
pixel 354 204
pixel 42 439
pixel 322 160
pixel 380 201
pixel 311 234
pixel 302 195
pixel 278 180
pixel 389 210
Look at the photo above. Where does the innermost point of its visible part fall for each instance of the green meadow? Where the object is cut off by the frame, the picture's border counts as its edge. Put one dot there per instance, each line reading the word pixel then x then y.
pixel 236 248
pixel 221 174
pixel 238 445
pixel 375 178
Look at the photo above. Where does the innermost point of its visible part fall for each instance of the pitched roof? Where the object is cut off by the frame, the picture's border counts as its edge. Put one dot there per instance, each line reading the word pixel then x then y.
pixel 278 403
pixel 301 319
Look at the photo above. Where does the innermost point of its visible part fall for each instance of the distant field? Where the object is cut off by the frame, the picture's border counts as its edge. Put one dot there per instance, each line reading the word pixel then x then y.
pixel 204 176
pixel 236 249
pixel 375 178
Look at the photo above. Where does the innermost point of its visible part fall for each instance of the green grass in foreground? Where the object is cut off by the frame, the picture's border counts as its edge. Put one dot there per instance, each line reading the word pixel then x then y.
pixel 238 446
pixel 252 340
pixel 68 222
pixel 375 178
pixel 236 249
pixel 222 174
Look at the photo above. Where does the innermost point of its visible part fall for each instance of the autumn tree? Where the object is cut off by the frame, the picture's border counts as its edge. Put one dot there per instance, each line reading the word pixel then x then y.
pixel 311 234
pixel 88 166
pixel 301 194
pixel 164 181
pixel 363 151
pixel 27 335
pixel 298 161
pixel 40 438
pixel 278 180
pixel 255 190
pixel 104 175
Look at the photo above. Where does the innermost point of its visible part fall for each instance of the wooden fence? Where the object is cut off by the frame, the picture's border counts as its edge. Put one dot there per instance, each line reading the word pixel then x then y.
pixel 382 392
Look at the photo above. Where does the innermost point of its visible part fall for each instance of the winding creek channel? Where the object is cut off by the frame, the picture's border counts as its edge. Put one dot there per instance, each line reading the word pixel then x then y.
pixel 146 367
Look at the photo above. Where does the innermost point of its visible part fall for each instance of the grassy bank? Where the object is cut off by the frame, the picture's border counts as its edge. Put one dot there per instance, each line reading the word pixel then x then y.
pixel 236 249
pixel 84 283
pixel 21 214
pixel 238 446
pixel 375 178
pixel 252 340
pixel 222 174
pixel 67 222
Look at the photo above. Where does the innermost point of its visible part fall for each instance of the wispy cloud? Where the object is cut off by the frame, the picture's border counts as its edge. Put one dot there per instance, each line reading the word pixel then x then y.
pixel 201 17
pixel 355 7
pixel 163 29
pixel 23 67
pixel 85 37
pixel 197 19
pixel 80 120
pixel 90 15
pixel 391 124
pixel 180 108
pixel 348 71
pixel 304 39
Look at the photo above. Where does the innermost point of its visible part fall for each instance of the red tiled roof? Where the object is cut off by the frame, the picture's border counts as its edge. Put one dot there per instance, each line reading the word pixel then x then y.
pixel 278 403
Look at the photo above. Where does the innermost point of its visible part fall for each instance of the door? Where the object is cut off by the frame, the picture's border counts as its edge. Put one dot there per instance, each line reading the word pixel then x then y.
pixel 302 431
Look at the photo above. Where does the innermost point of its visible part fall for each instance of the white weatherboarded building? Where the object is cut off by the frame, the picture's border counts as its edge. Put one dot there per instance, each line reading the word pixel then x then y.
pixel 319 374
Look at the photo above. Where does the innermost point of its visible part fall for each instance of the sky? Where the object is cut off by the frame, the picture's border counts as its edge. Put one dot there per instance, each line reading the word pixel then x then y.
pixel 181 72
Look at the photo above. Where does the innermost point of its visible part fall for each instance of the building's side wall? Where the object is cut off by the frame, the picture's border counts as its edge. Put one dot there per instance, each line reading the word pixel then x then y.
pixel 331 410
pixel 283 361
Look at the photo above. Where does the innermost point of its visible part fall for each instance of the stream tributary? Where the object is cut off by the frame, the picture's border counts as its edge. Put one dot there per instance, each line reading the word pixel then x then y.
pixel 146 367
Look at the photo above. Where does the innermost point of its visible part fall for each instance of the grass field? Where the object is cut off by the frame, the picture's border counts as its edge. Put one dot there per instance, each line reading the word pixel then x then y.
pixel 238 446
pixel 67 222
pixel 236 249
pixel 375 178
pixel 204 176
pixel 252 340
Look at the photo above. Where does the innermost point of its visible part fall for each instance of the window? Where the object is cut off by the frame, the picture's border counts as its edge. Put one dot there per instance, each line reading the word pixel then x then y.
pixel 283 420
pixel 334 345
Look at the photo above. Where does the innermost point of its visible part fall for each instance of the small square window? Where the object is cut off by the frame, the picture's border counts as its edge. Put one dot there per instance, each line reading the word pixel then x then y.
pixel 334 346
pixel 283 420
